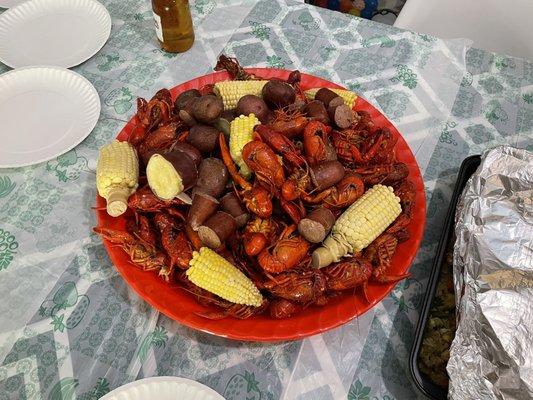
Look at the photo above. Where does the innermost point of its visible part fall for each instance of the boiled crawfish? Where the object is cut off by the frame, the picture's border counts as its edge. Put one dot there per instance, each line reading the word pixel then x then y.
pixel 163 221
pixel 227 309
pixel 283 308
pixel 257 235
pixel 384 174
pixel 280 144
pixel 261 159
pixel 238 311
pixel 406 192
pixel 294 209
pixel 380 253
pixel 343 194
pixel 298 183
pixel 161 139
pixel 295 79
pixel 362 128
pixel 234 69
pixel 286 254
pixel 144 200
pixel 173 240
pixel 268 170
pixel 316 143
pixel 348 274
pixel 150 115
pixel 143 230
pixel 377 149
pixel 141 253
pixel 303 287
pixel 289 123
pixel 257 199
pixel 381 147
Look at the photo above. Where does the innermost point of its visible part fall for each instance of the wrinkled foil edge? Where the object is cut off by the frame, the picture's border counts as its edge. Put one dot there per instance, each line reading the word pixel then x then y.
pixel 491 356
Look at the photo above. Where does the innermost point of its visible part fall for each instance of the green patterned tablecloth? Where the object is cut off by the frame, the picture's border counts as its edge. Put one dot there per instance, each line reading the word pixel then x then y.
pixel 71 328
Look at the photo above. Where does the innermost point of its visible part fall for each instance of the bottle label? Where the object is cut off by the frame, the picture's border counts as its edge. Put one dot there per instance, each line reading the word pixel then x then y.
pixel 158 27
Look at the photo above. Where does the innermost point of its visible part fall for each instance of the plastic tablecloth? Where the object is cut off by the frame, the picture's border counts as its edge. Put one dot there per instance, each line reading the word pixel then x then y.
pixel 69 325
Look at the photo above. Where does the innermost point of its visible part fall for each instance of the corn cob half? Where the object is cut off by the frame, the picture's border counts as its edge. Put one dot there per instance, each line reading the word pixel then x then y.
pixel 348 96
pixel 241 133
pixel 359 225
pixel 217 275
pixel 117 175
pixel 231 91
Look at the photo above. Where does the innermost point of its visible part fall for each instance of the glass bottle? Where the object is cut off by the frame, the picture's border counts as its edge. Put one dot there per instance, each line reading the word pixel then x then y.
pixel 173 25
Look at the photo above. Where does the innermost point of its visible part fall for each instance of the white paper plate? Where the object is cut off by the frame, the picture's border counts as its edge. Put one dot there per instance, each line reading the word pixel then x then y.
pixel 44 112
pixel 62 33
pixel 10 3
pixel 163 388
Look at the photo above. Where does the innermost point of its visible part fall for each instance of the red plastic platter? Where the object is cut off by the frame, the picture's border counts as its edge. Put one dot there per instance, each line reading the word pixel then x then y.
pixel 179 305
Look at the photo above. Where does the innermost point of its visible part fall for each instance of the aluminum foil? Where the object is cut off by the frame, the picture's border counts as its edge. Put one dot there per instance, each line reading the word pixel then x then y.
pixel 492 354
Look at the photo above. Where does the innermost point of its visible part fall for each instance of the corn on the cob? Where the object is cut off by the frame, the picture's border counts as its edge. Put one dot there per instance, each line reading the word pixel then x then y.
pixel 348 96
pixel 117 175
pixel 217 275
pixel 241 132
pixel 359 225
pixel 231 91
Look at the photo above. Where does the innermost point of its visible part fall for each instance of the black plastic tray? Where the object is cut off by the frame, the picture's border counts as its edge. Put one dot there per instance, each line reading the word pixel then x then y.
pixel 433 391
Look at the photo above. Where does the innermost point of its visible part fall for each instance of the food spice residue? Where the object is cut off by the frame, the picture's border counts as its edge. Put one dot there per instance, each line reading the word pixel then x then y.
pixel 440 328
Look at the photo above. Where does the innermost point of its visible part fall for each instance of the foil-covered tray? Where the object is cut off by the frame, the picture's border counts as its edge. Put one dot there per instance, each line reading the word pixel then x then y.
pixel 491 356
pixel 426 383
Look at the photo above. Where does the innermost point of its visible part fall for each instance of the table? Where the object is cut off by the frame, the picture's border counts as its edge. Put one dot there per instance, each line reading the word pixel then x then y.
pixel 68 323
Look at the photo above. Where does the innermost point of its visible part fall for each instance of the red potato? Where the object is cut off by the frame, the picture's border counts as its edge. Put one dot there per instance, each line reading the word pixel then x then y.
pixel 203 137
pixel 316 225
pixel 203 206
pixel 207 109
pixel 170 174
pixel 326 174
pixel 187 118
pixel 231 204
pixel 184 98
pixel 191 151
pixel 278 94
pixel 251 104
pixel 214 232
pixel 212 177
pixel 186 114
